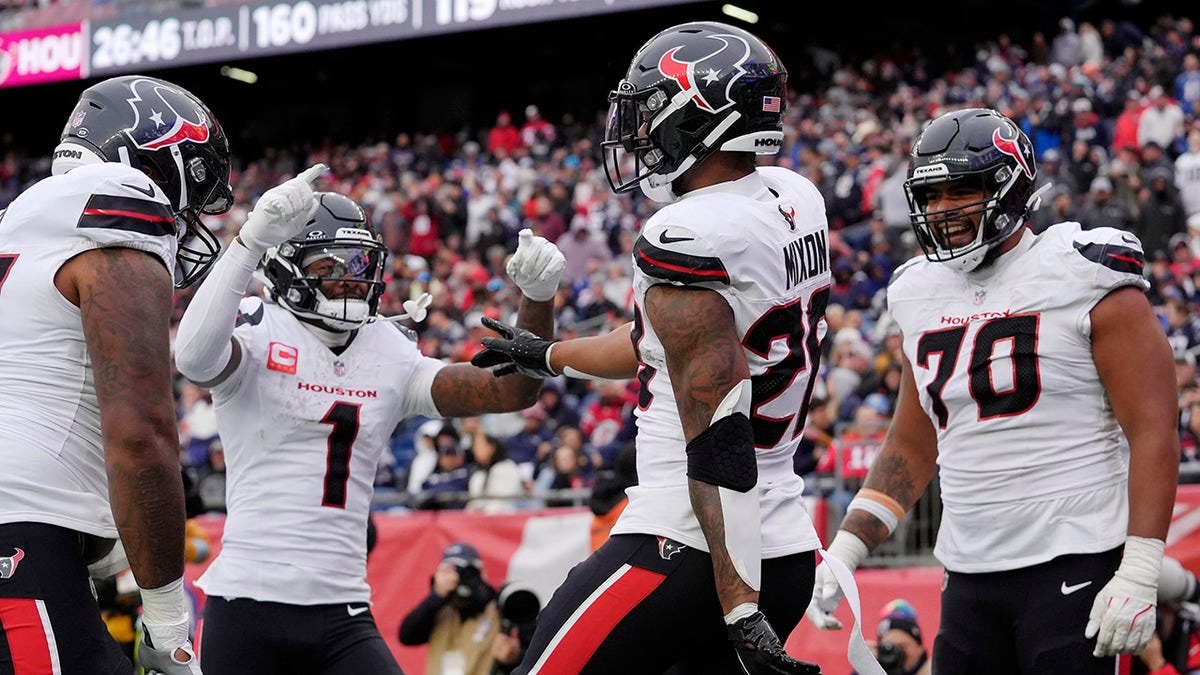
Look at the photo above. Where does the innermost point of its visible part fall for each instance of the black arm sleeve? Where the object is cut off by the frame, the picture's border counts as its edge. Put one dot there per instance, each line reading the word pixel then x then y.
pixel 418 624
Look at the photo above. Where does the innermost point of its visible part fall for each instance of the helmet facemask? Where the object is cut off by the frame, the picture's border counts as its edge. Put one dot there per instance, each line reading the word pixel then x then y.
pixel 992 220
pixel 353 256
pixel 199 191
pixel 970 150
pixel 339 246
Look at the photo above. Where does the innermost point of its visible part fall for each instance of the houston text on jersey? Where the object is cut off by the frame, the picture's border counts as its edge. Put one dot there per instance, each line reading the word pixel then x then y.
pixel 338 391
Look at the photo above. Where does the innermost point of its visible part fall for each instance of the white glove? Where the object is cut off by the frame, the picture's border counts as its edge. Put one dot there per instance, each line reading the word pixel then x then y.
pixel 1123 613
pixel 536 267
pixel 827 593
pixel 160 646
pixel 282 212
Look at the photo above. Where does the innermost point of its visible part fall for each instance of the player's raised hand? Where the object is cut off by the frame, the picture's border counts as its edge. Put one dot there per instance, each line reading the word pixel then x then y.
pixel 282 212
pixel 536 267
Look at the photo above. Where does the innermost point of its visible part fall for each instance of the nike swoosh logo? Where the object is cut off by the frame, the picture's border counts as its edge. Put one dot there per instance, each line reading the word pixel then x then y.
pixel 1067 590
pixel 148 191
pixel 664 239
pixel 355 611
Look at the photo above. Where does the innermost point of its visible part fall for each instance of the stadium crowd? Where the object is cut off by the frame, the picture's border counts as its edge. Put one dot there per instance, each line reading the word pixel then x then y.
pixel 1113 110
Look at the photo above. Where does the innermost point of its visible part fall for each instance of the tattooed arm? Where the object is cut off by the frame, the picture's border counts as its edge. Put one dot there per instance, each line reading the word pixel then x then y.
pixel 124 300
pixel 705 361
pixel 904 466
pixel 461 390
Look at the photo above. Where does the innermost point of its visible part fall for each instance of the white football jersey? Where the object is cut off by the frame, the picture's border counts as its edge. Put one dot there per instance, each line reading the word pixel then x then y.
pixel 1030 454
pixel 50 443
pixel 762 243
pixel 303 430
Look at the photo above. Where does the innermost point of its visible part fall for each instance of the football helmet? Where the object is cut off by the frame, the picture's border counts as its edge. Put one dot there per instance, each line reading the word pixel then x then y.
pixel 692 90
pixel 339 233
pixel 987 149
pixel 165 131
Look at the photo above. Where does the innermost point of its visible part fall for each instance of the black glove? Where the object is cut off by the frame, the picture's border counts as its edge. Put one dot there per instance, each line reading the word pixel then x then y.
pixel 761 653
pixel 516 351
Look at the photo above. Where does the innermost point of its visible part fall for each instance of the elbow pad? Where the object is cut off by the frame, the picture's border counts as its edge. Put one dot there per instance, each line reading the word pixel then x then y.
pixel 723 454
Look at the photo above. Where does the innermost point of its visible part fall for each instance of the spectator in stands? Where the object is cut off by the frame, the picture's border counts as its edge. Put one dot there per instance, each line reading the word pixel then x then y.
pixel 445 486
pixel 425 460
pixel 1065 48
pixel 1105 526
pixel 459 619
pixel 568 468
pixel 819 432
pixel 504 139
pixel 1187 173
pixel 1182 326
pixel 538 134
pixel 580 246
pixel 313 373
pixel 527 447
pixel 1187 85
pixel 1160 211
pixel 1100 210
pixel 495 484
pixel 1161 122
pixel 1058 207
pixel 1125 127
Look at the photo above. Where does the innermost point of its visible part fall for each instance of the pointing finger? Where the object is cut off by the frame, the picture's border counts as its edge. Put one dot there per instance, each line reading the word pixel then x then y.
pixel 314 172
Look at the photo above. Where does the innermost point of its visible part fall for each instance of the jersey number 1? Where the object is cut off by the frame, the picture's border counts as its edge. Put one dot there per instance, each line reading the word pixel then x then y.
pixel 343 417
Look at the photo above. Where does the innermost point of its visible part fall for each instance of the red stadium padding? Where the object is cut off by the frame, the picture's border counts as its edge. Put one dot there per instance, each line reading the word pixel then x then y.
pixel 539 547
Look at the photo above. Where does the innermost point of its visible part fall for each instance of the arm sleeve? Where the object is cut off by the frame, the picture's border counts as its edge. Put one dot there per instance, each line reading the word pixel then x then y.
pixel 418 624
pixel 202 343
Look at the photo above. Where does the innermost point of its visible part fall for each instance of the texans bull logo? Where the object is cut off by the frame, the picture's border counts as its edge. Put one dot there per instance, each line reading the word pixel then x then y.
pixel 8 564
pixel 706 84
pixel 1011 146
pixel 164 116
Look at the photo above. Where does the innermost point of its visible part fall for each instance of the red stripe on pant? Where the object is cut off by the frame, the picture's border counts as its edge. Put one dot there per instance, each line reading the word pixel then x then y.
pixel 26 636
pixel 581 638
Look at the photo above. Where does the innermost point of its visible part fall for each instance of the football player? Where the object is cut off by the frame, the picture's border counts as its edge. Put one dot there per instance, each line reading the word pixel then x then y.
pixel 88 439
pixel 715 550
pixel 308 386
pixel 1029 361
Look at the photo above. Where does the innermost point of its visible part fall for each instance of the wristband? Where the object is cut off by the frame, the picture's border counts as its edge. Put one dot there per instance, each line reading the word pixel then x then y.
pixel 740 612
pixel 880 505
pixel 164 605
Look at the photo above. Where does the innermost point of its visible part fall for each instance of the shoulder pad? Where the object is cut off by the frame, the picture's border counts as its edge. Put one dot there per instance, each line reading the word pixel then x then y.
pixel 1115 249
pixel 406 332
pixel 677 254
pixel 904 267
pixel 124 199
